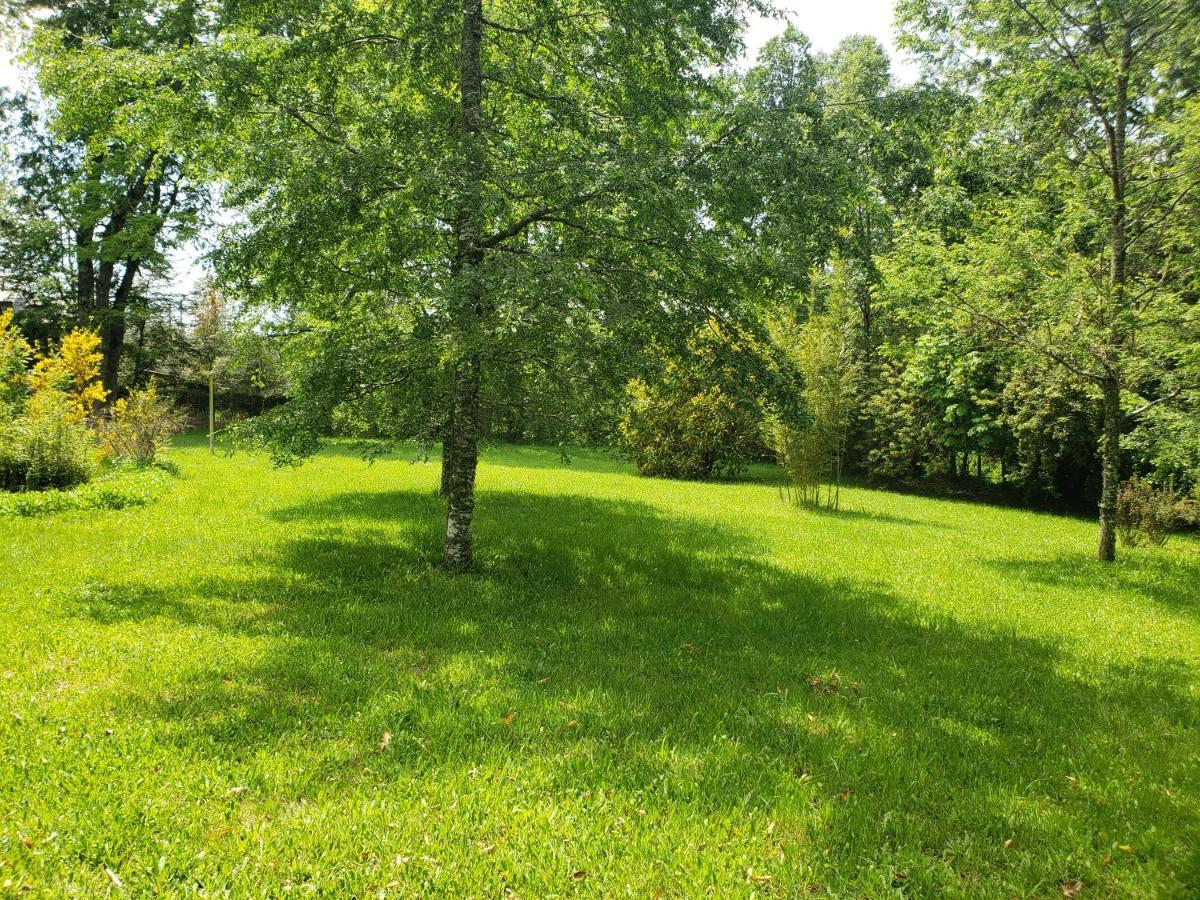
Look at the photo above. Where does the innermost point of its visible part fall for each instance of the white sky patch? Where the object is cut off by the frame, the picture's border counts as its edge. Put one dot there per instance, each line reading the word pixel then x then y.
pixel 827 23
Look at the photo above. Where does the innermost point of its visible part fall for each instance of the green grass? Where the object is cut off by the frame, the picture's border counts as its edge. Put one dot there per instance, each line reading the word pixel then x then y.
pixel 636 692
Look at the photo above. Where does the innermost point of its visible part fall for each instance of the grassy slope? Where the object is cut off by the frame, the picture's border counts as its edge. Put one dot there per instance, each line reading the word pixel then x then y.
pixel 193 695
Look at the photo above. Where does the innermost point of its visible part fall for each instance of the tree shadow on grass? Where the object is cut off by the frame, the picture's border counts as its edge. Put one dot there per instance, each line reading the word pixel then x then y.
pixel 605 625
pixel 1173 582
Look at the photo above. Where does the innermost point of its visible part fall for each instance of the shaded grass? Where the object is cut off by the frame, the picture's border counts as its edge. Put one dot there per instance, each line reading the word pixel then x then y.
pixel 623 699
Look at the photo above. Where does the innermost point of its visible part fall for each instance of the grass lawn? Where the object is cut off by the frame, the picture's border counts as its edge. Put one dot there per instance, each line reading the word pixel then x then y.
pixel 262 682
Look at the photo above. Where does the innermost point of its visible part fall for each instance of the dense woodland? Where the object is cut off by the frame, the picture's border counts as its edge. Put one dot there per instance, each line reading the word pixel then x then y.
pixel 581 221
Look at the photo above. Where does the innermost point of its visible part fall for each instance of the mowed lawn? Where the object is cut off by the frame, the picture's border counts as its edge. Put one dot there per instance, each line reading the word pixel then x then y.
pixel 262 684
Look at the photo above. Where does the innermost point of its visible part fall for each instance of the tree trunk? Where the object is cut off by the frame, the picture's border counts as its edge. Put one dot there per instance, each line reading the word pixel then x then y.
pixel 112 343
pixel 467 304
pixel 460 466
pixel 1110 455
pixel 1110 383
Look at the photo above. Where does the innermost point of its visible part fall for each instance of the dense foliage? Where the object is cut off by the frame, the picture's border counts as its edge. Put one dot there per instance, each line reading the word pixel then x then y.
pixel 453 221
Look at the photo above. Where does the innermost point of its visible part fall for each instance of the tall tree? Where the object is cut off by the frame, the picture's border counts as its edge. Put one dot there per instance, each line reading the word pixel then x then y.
pixel 103 189
pixel 434 192
pixel 1092 88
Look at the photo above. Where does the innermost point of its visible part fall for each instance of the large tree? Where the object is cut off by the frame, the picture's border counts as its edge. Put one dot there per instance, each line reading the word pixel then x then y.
pixel 102 181
pixel 1088 92
pixel 435 192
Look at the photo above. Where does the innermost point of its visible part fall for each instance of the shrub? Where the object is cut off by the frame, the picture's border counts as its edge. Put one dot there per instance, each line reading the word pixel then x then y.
pixel 681 434
pixel 811 453
pixel 75 371
pixel 139 426
pixel 119 490
pixel 698 417
pixel 47 446
pixel 15 354
pixel 1146 514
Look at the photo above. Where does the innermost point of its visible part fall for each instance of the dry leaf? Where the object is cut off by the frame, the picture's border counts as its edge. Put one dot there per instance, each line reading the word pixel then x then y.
pixel 690 648
pixel 578 875
pixel 385 741
pixel 508 720
pixel 761 879
pixel 544 680
pixel 844 794
pixel 1071 888
pixel 1125 848
pixel 1007 843
pixel 114 878
pixel 1072 781
pixel 234 791
pixel 570 724
pixel 659 894
pixel 1106 859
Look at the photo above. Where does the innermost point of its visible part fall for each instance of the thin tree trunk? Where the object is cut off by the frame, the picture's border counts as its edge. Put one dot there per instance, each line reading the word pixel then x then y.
pixel 460 495
pixel 212 412
pixel 458 551
pixel 1110 384
pixel 1110 453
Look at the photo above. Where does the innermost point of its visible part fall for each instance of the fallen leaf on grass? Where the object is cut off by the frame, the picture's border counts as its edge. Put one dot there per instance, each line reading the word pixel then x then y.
pixel 1073 781
pixel 1071 888
pixel 508 720
pixel 690 648
pixel 760 879
pixel 234 791
pixel 570 725
pixel 114 878
pixel 1007 843
pixel 1125 848
pixel 844 794
pixel 385 741
pixel 578 875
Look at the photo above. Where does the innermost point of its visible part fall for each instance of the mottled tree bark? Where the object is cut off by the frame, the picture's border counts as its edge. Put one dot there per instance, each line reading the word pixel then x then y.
pixel 463 460
pixel 467 304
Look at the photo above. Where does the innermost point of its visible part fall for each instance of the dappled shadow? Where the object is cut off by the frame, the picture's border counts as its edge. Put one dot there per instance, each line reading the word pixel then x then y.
pixel 852 514
pixel 606 624
pixel 1170 581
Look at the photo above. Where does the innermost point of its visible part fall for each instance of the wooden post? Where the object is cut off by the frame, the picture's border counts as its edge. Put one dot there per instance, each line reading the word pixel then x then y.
pixel 212 418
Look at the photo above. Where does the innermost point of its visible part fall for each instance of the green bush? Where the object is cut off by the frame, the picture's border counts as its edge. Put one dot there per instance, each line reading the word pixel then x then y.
pixel 47 446
pixel 680 434
pixel 698 415
pixel 1146 514
pixel 139 426
pixel 118 490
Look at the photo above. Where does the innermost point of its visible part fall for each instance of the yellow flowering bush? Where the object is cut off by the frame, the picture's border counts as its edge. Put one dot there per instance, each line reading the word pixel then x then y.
pixel 139 426
pixel 44 438
pixel 74 370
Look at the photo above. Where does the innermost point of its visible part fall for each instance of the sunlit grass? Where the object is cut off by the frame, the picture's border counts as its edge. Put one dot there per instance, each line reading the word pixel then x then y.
pixel 263 681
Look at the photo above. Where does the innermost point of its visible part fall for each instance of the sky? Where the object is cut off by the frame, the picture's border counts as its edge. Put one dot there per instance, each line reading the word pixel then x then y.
pixel 825 23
